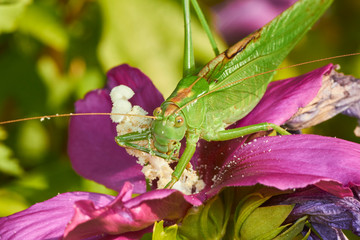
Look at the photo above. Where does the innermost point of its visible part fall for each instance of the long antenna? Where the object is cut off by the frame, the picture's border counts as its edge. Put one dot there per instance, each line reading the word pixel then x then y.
pixel 42 118
pixel 270 71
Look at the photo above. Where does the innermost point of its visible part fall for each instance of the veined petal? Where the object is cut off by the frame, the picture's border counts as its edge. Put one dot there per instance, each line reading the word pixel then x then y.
pixel 91 146
pixel 293 161
pixel 48 219
pixel 327 213
pixel 125 215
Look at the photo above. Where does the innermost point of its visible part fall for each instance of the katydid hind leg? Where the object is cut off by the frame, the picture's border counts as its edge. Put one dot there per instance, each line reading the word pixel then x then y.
pixel 205 26
pixel 189 59
pixel 242 131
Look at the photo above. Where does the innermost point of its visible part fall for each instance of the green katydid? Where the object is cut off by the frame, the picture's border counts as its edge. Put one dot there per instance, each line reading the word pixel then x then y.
pixel 203 104
pixel 225 90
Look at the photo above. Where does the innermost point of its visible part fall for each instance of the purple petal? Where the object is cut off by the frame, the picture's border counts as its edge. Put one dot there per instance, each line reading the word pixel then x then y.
pixel 293 161
pixel 125 215
pixel 326 212
pixel 326 232
pixel 236 19
pixel 47 220
pixel 91 146
pixel 283 98
pixel 146 94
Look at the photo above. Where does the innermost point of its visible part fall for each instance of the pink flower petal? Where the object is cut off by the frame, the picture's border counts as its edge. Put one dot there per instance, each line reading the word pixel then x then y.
pixel 47 220
pixel 293 161
pixel 127 215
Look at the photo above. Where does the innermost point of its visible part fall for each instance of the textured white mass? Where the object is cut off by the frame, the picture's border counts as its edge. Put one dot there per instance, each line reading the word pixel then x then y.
pixel 119 96
pixel 121 92
pixel 120 106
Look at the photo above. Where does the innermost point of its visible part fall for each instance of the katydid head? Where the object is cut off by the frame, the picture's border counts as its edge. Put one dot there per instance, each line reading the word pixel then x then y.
pixel 168 128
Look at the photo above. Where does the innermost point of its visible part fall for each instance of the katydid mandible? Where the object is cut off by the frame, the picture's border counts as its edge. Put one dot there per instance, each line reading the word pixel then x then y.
pixel 203 104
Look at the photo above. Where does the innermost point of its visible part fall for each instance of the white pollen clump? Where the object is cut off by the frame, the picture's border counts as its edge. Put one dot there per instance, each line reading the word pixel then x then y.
pixel 133 123
pixel 121 92
pixel 119 96
pixel 189 182
pixel 154 168
pixel 120 106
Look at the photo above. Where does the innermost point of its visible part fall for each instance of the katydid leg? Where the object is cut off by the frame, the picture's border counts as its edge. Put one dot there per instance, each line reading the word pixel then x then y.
pixel 189 59
pixel 134 136
pixel 185 158
pixel 127 139
pixel 206 27
pixel 242 131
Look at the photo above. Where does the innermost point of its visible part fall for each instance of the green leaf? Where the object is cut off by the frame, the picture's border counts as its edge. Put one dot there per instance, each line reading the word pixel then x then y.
pixel 10 13
pixel 264 222
pixel 294 230
pixel 208 221
pixel 161 233
pixel 350 235
pixel 305 237
pixel 245 208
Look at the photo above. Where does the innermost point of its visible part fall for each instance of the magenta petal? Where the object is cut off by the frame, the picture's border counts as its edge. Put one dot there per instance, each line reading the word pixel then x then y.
pixel 46 220
pixel 126 215
pixel 293 161
pixel 146 94
pixel 283 98
pixel 91 146
pixel 92 149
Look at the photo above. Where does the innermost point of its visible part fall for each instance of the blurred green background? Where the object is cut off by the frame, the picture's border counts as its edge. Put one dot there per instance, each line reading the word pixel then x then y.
pixel 54 51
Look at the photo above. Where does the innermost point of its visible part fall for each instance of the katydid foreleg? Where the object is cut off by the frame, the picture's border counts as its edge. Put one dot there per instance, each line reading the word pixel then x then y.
pixel 127 139
pixel 191 141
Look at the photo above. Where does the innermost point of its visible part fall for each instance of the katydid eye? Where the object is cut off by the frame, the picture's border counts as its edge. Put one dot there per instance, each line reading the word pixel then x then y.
pixel 157 111
pixel 179 121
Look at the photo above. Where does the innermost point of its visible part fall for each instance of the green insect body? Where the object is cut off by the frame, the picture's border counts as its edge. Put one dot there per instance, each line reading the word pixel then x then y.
pixel 226 89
